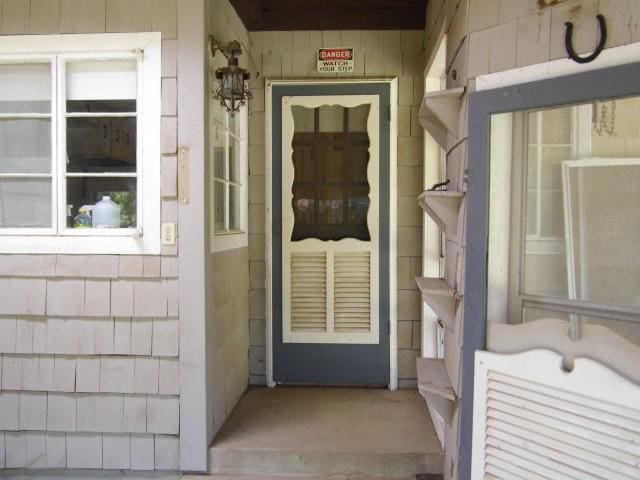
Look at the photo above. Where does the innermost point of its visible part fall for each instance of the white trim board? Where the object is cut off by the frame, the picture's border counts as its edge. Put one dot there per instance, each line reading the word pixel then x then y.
pixel 557 68
pixel 393 132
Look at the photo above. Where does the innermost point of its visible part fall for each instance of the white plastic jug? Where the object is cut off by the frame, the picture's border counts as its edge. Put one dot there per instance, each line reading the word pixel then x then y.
pixel 105 214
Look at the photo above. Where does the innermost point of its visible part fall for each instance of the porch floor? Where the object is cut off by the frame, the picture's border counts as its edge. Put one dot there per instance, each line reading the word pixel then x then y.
pixel 327 431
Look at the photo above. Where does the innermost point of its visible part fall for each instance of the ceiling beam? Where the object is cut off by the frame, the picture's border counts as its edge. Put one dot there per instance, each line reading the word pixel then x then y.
pixel 332 14
pixel 250 12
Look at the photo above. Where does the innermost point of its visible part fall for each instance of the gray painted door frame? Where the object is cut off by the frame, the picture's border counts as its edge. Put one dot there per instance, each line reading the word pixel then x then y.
pixel 383 370
pixel 618 81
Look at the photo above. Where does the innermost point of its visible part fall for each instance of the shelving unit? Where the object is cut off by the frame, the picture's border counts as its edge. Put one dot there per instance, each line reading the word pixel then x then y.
pixel 441 297
pixel 434 385
pixel 443 207
pixel 440 114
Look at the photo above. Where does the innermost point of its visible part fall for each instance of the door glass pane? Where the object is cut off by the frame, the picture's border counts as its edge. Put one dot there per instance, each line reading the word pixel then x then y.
pixel 303 205
pixel 358 117
pixel 330 161
pixel 87 192
pixel 25 88
pixel 25 146
pixel 331 118
pixel 25 202
pixel 331 208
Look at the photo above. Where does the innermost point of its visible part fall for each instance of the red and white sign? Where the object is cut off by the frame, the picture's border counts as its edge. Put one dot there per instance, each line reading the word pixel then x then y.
pixel 335 60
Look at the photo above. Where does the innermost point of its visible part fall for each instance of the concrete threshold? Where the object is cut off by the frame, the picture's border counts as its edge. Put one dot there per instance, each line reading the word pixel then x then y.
pixel 343 433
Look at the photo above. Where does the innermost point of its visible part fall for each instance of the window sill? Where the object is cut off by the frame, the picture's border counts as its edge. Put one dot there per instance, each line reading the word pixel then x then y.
pixel 87 245
pixel 221 242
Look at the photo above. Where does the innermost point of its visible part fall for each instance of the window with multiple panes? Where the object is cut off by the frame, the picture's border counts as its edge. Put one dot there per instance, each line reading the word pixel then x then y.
pixel 575 184
pixel 79 136
pixel 228 153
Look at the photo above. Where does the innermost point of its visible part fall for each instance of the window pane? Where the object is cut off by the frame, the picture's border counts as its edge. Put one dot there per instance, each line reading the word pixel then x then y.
pixel 88 191
pixel 25 202
pixel 25 88
pixel 101 106
pixel 101 145
pixel 25 146
pixel 234 208
pixel 234 161
pixel 102 80
pixel 577 172
pixel 219 206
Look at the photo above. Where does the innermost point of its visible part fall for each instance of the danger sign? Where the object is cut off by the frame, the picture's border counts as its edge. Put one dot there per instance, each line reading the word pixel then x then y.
pixel 335 60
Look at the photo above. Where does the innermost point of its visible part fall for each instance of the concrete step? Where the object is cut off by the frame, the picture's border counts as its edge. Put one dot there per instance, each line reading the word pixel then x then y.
pixel 307 432
pixel 351 464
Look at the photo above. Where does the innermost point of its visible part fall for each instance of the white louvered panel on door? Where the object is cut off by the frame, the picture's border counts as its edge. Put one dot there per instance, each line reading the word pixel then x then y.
pixel 352 291
pixel 533 420
pixel 309 292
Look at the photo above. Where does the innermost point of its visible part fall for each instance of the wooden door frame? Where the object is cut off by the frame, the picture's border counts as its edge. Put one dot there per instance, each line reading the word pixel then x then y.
pixel 393 140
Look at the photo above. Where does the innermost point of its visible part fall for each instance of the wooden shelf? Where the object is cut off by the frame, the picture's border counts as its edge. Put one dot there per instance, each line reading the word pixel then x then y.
pixel 441 297
pixel 443 207
pixel 440 114
pixel 434 385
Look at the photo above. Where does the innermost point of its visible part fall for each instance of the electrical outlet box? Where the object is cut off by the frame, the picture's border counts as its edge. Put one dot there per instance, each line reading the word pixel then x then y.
pixel 168 234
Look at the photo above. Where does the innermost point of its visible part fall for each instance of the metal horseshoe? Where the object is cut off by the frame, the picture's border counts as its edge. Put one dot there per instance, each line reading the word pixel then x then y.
pixel 568 42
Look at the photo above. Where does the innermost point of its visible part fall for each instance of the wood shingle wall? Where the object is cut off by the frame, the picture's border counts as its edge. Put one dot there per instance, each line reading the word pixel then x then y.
pixel 89 373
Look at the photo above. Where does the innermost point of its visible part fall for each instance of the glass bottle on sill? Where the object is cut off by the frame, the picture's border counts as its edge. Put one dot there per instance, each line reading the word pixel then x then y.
pixel 83 219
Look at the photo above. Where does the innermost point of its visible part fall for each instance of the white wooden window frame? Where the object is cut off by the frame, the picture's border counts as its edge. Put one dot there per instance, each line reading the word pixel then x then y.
pixel 229 239
pixel 393 295
pixel 58 50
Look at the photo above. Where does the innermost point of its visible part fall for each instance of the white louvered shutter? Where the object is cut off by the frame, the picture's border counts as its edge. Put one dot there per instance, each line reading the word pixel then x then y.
pixel 532 420
pixel 352 292
pixel 309 292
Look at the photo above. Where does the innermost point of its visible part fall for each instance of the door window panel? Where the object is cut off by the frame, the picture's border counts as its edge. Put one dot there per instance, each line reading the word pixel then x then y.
pixel 330 159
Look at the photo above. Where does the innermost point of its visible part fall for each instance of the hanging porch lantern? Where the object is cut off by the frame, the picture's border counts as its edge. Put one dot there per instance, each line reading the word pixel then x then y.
pixel 232 91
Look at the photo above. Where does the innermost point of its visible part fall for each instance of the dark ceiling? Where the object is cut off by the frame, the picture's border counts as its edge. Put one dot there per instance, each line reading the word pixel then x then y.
pixel 332 14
